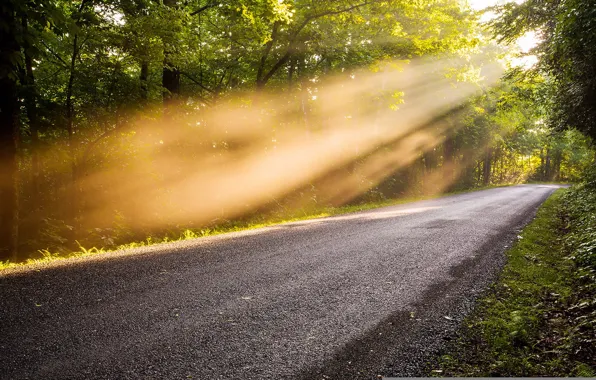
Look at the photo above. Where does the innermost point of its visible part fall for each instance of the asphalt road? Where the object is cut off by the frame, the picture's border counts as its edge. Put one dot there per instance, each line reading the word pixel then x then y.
pixel 353 296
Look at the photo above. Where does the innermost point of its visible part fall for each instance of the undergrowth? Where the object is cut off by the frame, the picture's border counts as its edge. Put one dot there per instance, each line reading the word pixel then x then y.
pixel 219 227
pixel 539 317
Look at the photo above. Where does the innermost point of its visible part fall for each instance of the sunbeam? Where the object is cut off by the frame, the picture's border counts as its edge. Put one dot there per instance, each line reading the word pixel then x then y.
pixel 225 161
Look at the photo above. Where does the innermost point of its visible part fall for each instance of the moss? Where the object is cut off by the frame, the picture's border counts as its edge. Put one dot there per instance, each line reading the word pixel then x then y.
pixel 521 327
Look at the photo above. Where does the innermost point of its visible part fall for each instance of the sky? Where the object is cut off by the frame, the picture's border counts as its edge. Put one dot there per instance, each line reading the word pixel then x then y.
pixel 525 42
pixel 481 4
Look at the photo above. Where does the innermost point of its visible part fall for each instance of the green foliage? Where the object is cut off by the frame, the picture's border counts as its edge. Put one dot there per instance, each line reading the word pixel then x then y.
pixel 97 88
pixel 580 241
pixel 514 316
pixel 539 319
pixel 566 55
pixel 222 227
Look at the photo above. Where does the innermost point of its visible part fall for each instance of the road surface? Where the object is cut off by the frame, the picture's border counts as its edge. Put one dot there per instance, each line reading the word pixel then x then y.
pixel 352 296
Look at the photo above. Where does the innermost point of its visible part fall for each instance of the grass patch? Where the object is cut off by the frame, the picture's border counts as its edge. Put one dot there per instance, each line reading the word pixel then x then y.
pixel 523 326
pixel 227 227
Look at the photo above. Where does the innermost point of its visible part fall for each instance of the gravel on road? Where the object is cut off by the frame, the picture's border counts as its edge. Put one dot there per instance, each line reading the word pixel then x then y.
pixel 353 296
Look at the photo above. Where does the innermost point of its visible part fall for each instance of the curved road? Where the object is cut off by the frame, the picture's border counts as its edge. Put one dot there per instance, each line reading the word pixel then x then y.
pixel 352 296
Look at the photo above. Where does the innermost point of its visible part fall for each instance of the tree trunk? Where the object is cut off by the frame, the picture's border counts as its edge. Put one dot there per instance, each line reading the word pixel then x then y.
pixel 30 96
pixel 427 158
pixel 547 166
pixel 291 68
pixel 73 193
pixel 143 78
pixel 304 100
pixel 494 167
pixel 556 166
pixel 543 173
pixel 448 159
pixel 486 167
pixel 9 108
pixel 171 73
pixel 261 75
pixel 170 80
pixel 501 167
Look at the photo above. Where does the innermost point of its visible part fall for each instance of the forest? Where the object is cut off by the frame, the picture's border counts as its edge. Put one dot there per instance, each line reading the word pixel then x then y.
pixel 123 121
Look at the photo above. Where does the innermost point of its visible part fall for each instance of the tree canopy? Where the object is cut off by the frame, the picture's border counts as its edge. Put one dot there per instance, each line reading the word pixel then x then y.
pixel 122 119
pixel 567 30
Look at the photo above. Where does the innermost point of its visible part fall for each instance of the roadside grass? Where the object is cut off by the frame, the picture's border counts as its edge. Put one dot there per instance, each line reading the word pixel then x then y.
pixel 546 182
pixel 523 327
pixel 228 227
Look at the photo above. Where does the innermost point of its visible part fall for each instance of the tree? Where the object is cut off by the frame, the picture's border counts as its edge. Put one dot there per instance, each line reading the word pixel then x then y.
pixel 10 60
pixel 566 54
pixel 126 99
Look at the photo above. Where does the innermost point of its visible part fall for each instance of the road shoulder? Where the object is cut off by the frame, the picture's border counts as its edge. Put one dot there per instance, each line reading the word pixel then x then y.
pixel 523 326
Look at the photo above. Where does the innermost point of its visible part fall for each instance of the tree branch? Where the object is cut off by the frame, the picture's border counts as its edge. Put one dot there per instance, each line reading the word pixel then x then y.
pixel 213 4
pixel 198 83
pixel 261 81
pixel 267 50
pixel 60 59
pixel 280 62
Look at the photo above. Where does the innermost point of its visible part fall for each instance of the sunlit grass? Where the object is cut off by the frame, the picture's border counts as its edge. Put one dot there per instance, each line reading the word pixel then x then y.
pixel 199 166
pixel 190 234
pixel 519 328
